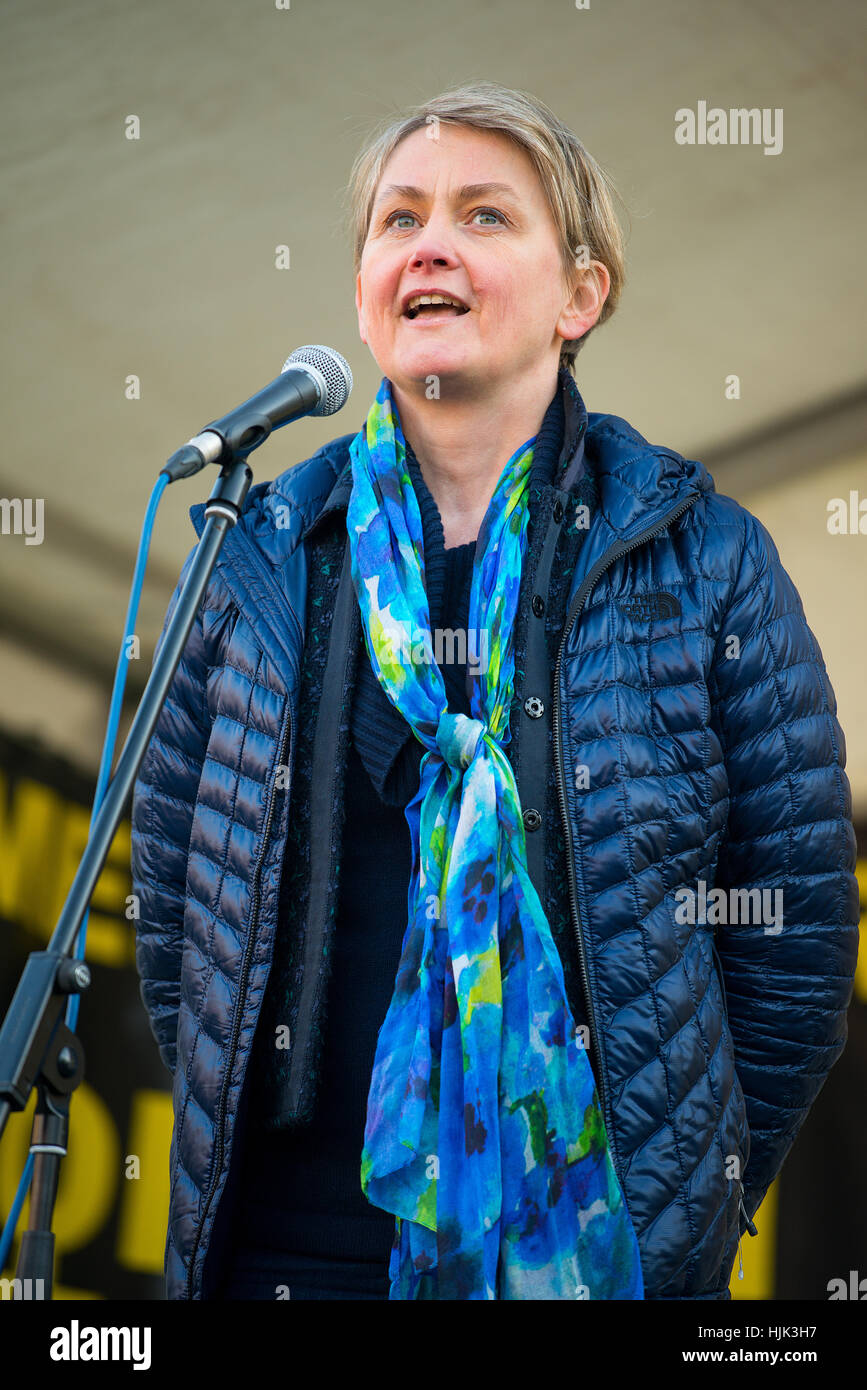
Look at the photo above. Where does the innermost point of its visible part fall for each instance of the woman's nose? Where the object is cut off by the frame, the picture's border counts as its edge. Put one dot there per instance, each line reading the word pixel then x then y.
pixel 435 242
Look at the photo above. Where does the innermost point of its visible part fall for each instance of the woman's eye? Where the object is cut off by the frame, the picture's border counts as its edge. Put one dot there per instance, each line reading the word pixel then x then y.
pixel 490 212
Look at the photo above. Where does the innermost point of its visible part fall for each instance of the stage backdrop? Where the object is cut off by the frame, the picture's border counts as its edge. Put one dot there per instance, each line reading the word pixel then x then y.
pixel 113 1197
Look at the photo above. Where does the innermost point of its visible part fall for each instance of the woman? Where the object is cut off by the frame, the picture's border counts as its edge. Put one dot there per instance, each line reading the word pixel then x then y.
pixel 486 703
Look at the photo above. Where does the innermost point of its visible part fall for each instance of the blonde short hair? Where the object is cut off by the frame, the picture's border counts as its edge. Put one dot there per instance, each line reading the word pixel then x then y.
pixel 579 192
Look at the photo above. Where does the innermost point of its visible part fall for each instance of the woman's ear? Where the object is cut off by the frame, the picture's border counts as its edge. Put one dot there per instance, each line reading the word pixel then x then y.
pixel 588 297
pixel 361 324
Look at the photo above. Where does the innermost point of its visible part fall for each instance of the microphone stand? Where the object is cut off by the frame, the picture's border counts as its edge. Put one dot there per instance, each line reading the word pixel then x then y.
pixel 37 1048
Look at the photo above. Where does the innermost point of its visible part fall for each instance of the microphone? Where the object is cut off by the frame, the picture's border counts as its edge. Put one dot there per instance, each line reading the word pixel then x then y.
pixel 315 380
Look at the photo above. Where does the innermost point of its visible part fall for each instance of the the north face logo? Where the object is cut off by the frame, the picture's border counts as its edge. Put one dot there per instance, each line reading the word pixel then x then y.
pixel 644 607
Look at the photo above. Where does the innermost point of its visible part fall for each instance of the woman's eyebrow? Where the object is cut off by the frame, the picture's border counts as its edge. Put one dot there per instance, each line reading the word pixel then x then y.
pixel 469 190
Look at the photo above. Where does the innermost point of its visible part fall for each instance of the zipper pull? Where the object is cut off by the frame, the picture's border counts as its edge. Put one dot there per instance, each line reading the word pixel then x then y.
pixel 751 1226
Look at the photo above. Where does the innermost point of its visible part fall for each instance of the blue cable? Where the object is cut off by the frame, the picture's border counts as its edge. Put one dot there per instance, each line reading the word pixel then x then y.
pixel 102 782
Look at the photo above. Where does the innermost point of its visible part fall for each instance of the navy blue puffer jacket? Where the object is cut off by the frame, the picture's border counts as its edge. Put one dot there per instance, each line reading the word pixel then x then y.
pixel 696 735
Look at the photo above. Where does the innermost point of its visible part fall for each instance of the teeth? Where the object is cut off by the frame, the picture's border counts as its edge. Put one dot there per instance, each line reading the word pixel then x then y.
pixel 419 299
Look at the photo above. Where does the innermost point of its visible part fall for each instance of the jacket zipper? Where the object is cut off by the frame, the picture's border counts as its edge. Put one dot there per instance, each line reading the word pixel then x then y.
pixel 236 1022
pixel 580 599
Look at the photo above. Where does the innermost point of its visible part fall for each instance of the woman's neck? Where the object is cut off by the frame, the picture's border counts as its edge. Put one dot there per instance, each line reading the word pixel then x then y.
pixel 463 446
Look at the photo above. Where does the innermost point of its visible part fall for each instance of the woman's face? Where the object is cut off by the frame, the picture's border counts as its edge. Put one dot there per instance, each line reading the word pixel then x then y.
pixel 496 249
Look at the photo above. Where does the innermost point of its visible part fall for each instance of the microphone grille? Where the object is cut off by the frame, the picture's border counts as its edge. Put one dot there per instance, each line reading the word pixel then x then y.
pixel 334 370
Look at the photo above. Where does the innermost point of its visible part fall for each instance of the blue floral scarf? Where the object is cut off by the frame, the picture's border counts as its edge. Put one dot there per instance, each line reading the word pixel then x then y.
pixel 484 1132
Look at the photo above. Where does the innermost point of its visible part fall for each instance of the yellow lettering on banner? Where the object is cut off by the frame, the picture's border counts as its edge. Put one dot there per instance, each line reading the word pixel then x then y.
pixel 109 942
pixel 144 1209
pixel 42 839
pixel 30 826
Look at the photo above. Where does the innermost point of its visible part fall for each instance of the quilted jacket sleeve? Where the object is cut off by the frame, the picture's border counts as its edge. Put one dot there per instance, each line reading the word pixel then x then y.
pixel 164 798
pixel 789 976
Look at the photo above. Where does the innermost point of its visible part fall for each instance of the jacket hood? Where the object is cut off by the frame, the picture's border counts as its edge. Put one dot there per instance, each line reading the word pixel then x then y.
pixel 636 479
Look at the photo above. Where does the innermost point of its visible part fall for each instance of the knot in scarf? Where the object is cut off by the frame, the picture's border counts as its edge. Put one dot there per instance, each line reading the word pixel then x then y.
pixel 484 1133
pixel 458 739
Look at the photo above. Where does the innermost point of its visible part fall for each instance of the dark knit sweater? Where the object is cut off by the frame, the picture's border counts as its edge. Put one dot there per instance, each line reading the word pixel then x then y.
pixel 302 1211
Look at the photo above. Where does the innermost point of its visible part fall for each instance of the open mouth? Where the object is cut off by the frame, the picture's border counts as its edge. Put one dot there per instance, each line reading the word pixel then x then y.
pixel 435 311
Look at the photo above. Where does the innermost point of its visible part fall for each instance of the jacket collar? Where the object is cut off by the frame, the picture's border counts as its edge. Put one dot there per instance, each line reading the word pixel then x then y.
pixel 637 484
pixel 638 487
pixel 574 424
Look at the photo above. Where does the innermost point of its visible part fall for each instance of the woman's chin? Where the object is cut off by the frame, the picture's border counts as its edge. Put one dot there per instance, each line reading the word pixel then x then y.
pixel 432 358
